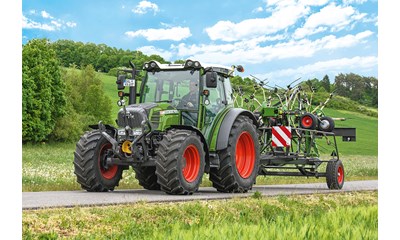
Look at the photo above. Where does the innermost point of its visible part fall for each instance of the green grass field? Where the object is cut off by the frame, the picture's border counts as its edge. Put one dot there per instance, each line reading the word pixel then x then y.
pixel 333 216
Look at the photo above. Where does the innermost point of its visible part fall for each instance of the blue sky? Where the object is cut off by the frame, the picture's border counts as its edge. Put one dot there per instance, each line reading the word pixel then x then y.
pixel 278 40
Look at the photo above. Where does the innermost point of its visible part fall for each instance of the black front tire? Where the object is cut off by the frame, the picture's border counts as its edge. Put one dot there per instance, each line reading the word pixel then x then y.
pixel 179 171
pixel 230 177
pixel 89 159
pixel 147 177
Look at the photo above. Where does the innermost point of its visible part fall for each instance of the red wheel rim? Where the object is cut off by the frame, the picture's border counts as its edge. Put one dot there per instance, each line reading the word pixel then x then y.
pixel 306 121
pixel 192 163
pixel 111 171
pixel 245 155
pixel 340 175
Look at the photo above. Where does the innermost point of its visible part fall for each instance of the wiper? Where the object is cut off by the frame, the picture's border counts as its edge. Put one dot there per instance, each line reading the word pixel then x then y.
pixel 167 101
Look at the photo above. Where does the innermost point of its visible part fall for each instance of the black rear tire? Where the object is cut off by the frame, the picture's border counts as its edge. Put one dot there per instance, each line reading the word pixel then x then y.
pixel 147 177
pixel 180 162
pixel 335 174
pixel 89 158
pixel 232 175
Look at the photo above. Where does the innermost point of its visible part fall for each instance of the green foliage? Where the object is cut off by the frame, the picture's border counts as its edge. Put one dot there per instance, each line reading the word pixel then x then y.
pixel 358 88
pixel 246 84
pixel 113 71
pixel 102 57
pixel 180 61
pixel 325 83
pixel 257 195
pixel 43 99
pixel 87 104
pixel 342 103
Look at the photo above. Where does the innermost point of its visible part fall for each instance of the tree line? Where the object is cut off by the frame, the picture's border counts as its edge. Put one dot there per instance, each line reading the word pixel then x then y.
pixel 361 89
pixel 102 57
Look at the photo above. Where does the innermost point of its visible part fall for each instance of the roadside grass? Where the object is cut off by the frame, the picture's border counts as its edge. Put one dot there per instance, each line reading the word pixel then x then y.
pixel 351 215
pixel 49 167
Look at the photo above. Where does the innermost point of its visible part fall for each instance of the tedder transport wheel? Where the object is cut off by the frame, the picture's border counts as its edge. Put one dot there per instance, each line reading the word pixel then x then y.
pixel 335 174
pixel 239 161
pixel 147 177
pixel 180 162
pixel 308 121
pixel 89 161
pixel 326 124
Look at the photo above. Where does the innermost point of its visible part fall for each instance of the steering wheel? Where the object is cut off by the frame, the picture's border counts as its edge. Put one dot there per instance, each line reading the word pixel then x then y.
pixel 175 102
pixel 217 106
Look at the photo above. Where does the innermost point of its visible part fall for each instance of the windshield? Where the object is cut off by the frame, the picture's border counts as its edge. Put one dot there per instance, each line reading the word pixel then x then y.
pixel 180 88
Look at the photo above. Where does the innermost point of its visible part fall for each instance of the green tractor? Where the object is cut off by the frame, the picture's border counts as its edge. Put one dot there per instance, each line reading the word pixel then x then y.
pixel 180 124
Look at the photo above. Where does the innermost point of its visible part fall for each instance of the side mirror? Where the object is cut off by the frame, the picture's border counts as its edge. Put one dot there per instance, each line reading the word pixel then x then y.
pixel 120 82
pixel 240 68
pixel 211 79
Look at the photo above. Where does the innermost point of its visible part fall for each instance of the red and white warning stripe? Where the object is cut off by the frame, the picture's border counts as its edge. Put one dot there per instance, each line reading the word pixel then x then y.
pixel 281 136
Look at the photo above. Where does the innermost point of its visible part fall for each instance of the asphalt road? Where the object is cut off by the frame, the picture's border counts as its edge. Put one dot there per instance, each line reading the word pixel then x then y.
pixel 38 200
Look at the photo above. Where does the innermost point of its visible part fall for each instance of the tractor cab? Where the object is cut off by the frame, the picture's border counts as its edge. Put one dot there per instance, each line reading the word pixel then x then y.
pixel 192 92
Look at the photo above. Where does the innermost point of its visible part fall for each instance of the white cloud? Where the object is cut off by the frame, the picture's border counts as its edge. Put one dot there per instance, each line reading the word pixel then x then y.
pixel 334 66
pixel 145 6
pixel 348 40
pixel 70 24
pixel 150 50
pixel 30 24
pixel 314 2
pixel 52 25
pixel 250 51
pixel 57 24
pixel 257 10
pixel 347 2
pixel 46 14
pixel 284 14
pixel 174 34
pixel 334 17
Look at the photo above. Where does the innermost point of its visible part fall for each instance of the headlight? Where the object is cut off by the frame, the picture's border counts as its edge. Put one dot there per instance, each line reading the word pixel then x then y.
pixel 192 64
pixel 150 66
pixel 136 132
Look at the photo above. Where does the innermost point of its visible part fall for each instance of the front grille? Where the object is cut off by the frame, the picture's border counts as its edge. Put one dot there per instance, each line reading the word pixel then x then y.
pixel 155 119
pixel 135 117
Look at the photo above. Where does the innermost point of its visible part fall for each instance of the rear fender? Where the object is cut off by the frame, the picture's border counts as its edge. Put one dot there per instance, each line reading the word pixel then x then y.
pixel 227 123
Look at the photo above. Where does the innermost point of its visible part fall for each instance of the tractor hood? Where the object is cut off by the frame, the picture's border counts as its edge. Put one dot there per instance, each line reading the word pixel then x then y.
pixel 136 114
pixel 161 115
